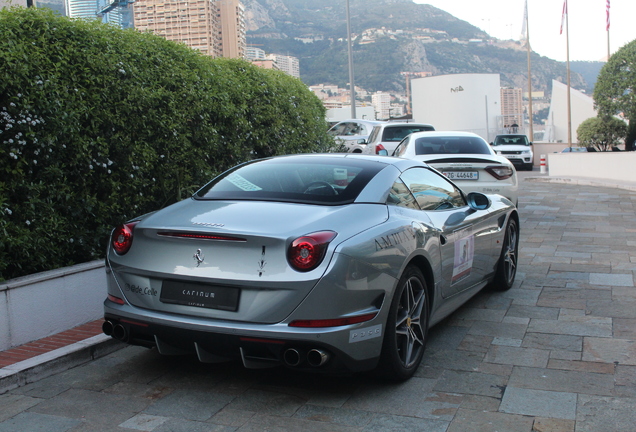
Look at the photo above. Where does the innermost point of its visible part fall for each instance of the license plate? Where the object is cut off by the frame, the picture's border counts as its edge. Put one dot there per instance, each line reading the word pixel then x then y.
pixel 199 295
pixel 462 175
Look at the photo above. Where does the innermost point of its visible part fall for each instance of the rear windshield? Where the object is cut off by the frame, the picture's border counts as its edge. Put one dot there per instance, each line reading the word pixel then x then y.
pixel 328 180
pixel 451 145
pixel 511 140
pixel 397 133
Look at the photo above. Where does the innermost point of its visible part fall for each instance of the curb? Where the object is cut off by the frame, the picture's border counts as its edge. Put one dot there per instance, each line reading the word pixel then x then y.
pixel 59 360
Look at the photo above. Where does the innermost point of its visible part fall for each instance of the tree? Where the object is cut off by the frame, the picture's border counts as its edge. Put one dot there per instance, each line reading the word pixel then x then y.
pixel 615 90
pixel 601 132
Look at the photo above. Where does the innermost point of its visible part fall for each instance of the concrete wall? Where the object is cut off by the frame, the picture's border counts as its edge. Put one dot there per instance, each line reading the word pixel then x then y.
pixel 545 148
pixel 458 102
pixel 46 303
pixel 615 166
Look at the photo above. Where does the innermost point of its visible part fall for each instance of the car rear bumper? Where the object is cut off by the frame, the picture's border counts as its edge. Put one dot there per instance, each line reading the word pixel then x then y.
pixel 256 346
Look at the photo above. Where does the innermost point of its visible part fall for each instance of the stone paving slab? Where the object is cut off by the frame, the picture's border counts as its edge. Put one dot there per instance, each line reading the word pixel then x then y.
pixel 556 353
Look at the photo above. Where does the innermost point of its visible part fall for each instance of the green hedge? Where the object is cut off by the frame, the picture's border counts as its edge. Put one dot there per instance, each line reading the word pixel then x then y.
pixel 99 124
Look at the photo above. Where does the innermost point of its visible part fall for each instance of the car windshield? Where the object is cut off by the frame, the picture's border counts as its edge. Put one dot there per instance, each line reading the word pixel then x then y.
pixel 397 133
pixel 451 145
pixel 328 180
pixel 511 140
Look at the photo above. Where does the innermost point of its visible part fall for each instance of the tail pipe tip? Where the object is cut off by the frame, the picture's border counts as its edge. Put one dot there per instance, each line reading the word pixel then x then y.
pixel 317 357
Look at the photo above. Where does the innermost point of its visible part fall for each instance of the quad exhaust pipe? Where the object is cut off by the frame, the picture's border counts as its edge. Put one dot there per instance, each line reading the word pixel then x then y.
pixel 315 357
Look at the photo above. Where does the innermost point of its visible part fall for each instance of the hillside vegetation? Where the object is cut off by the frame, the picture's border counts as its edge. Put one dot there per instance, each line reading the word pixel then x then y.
pixel 422 39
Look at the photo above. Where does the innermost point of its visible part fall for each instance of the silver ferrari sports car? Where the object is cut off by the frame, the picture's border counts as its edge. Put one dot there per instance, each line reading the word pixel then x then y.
pixel 334 263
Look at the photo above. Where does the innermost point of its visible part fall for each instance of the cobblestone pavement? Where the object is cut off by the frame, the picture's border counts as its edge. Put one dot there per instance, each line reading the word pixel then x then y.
pixel 556 353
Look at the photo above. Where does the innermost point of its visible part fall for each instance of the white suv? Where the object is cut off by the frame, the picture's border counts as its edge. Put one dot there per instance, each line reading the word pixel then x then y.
pixel 353 133
pixel 517 148
pixel 385 137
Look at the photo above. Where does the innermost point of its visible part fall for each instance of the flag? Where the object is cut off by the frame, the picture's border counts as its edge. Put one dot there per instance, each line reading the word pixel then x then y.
pixel 607 7
pixel 524 25
pixel 565 12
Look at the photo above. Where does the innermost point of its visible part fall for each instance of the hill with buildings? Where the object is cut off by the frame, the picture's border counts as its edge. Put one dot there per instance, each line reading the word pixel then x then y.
pixel 391 37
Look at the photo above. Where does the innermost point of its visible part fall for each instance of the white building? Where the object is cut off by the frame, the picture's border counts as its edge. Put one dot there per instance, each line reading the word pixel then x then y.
pixel 460 102
pixel 253 53
pixel 382 104
pixel 581 109
pixel 88 9
pixel 287 64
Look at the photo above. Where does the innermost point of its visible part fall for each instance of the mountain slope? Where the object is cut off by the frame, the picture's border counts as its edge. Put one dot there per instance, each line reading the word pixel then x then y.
pixel 408 37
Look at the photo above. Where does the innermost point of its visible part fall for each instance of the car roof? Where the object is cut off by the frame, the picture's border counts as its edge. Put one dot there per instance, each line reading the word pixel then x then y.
pixel 389 124
pixel 445 134
pixel 369 122
pixel 387 160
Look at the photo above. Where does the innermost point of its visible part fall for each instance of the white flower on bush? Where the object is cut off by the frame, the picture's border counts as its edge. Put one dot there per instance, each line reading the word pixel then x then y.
pixel 28 222
pixel 8 211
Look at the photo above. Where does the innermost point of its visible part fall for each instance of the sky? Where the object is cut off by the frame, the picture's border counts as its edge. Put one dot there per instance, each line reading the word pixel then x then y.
pixel 586 18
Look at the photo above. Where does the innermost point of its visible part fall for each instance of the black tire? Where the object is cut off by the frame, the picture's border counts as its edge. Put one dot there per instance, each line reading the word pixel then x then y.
pixel 507 264
pixel 406 327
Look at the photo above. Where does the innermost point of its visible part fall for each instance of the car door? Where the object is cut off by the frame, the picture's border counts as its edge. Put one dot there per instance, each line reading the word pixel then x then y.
pixel 465 234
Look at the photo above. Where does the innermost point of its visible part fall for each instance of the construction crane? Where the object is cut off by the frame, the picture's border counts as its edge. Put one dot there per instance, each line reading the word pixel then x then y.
pixel 110 6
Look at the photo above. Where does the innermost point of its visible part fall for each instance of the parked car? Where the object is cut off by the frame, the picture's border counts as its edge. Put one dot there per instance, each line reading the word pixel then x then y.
pixel 517 148
pixel 387 135
pixel 465 158
pixel 574 150
pixel 353 133
pixel 265 265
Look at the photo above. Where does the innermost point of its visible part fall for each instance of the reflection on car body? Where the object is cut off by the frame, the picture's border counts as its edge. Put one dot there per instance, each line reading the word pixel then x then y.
pixel 326 263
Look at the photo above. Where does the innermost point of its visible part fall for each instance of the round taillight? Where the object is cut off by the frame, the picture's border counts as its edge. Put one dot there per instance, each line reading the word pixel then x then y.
pixel 306 252
pixel 122 237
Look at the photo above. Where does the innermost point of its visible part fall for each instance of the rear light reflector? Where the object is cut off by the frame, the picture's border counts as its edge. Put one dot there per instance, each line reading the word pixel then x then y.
pixel 500 172
pixel 336 322
pixel 122 237
pixel 306 253
pixel 200 236
pixel 115 299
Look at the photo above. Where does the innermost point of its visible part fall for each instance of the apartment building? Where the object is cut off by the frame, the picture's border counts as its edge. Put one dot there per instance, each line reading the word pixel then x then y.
pixel 382 104
pixel 216 28
pixel 233 35
pixel 287 64
pixel 512 107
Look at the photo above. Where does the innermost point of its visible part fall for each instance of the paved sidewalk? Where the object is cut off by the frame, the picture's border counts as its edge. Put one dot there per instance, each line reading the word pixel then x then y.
pixel 44 357
pixel 556 353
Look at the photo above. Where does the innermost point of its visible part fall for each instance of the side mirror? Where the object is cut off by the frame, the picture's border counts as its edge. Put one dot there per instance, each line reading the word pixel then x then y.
pixel 362 141
pixel 478 201
pixel 383 152
pixel 492 143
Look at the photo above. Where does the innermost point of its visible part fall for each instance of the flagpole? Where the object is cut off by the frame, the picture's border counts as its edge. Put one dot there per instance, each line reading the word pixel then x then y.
pixel 530 122
pixel 607 27
pixel 567 43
